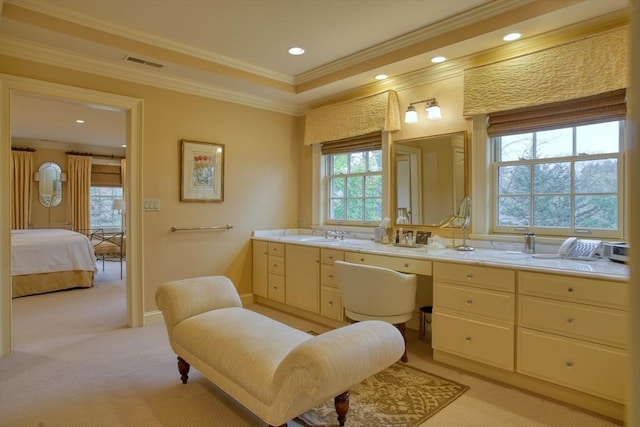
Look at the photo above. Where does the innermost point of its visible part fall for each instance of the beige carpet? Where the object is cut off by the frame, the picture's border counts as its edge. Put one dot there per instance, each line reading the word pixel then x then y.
pixel 399 396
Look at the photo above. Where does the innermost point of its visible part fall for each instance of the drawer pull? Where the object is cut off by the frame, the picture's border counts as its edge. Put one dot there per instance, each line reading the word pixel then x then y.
pixel 275 288
pixel 570 320
pixel 570 290
pixel 275 265
pixel 467 339
pixel 469 276
pixel 330 257
pixel 569 364
pixel 406 265
pixel 330 303
pixel 361 259
pixel 469 301
pixel 331 276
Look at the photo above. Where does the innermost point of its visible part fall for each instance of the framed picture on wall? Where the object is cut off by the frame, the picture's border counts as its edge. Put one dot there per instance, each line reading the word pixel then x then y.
pixel 202 172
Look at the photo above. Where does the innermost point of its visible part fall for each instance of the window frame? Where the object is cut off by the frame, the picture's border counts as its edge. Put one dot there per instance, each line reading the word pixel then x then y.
pixel 493 166
pixel 327 161
pixel 115 215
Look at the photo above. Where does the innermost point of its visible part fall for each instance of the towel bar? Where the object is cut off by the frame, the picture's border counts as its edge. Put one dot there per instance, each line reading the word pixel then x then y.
pixel 213 227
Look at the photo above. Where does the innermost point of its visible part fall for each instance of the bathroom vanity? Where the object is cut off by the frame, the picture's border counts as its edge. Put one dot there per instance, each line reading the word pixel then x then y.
pixel 553 326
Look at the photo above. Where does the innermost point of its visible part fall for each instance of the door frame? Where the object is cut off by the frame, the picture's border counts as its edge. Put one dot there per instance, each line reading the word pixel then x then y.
pixel 133 107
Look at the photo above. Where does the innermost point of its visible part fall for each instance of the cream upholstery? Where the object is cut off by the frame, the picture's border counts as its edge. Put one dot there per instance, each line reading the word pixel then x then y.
pixel 376 293
pixel 275 371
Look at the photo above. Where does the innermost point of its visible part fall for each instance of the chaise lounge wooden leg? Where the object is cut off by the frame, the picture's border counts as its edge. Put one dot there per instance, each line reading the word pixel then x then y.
pixel 403 330
pixel 342 406
pixel 183 368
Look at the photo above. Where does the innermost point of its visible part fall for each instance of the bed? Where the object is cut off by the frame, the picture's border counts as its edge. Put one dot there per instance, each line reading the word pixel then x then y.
pixel 50 260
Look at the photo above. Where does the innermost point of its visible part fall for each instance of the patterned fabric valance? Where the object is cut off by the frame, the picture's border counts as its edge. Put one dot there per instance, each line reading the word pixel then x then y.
pixel 361 116
pixel 589 66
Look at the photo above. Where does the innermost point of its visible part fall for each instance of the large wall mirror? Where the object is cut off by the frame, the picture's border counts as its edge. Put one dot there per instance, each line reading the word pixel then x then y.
pixel 430 178
pixel 50 185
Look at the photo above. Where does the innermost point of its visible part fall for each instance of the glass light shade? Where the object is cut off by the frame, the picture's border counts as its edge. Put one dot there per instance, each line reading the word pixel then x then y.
pixel 434 113
pixel 411 116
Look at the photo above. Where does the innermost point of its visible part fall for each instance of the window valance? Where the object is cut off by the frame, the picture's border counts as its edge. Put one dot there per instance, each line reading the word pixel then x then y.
pixel 363 116
pixel 589 66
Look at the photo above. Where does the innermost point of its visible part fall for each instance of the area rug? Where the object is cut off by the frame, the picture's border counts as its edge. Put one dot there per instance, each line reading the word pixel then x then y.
pixel 399 396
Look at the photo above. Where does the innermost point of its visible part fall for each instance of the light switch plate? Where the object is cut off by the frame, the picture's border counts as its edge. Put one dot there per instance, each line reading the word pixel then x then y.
pixel 152 205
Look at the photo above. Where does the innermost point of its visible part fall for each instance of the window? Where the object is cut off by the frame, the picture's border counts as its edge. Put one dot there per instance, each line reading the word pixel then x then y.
pixel 354 187
pixel 561 181
pixel 102 213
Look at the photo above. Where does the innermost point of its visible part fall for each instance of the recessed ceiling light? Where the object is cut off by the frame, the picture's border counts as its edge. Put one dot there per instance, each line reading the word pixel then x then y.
pixel 511 37
pixel 296 51
pixel 80 121
pixel 381 76
pixel 438 59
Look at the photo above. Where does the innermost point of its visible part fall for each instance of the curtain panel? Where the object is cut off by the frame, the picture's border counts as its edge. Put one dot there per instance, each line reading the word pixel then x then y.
pixel 377 113
pixel 589 66
pixel 79 183
pixel 22 191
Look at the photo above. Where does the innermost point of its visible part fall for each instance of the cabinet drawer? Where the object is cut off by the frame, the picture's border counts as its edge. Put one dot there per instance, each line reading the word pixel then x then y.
pixel 276 288
pixel 485 277
pixel 492 304
pixel 276 265
pixel 328 276
pixel 405 265
pixel 590 368
pixel 576 320
pixel 574 289
pixel 329 256
pixel 330 303
pixel 485 342
pixel 276 249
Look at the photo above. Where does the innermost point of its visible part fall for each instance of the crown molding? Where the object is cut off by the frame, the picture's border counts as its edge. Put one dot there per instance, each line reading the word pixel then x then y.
pixel 49 8
pixel 61 58
pixel 445 26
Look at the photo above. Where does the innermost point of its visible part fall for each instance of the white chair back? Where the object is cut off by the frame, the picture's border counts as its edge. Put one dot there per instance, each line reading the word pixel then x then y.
pixel 376 292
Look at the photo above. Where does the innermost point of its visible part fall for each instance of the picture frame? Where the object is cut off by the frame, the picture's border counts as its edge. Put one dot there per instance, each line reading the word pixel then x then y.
pixel 422 237
pixel 201 171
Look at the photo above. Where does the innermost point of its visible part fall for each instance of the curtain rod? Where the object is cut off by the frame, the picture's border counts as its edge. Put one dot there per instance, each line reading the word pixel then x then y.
pixel 100 156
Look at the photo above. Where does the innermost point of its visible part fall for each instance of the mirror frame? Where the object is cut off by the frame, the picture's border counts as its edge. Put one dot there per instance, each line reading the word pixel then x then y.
pixel 394 172
pixel 55 185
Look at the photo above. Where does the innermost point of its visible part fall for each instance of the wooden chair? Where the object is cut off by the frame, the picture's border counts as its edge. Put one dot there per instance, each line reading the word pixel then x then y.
pixel 376 293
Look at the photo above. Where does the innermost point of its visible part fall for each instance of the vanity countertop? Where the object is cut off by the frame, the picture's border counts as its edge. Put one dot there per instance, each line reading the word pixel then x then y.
pixel 599 268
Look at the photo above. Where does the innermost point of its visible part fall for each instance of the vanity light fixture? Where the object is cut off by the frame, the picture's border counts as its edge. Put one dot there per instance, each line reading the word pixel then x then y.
pixel 432 109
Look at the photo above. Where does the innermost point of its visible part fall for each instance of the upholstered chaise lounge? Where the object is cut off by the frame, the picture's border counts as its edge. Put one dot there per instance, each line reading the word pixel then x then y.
pixel 275 371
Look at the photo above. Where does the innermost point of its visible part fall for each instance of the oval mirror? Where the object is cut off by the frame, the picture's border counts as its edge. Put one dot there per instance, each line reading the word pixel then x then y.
pixel 50 187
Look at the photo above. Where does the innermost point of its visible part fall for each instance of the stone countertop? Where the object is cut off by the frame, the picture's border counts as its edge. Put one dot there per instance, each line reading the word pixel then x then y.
pixel 599 268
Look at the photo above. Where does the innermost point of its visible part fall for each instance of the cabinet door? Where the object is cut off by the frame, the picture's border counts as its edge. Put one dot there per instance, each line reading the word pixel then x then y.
pixel 260 255
pixel 303 277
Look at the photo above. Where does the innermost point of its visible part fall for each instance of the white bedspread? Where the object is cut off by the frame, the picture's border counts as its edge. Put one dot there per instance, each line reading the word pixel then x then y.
pixel 47 251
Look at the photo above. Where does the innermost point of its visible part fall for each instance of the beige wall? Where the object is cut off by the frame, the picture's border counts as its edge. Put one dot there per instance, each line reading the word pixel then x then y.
pixel 261 176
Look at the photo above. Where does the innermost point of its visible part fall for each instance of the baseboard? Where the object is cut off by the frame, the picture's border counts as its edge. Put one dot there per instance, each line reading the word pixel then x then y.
pixel 247 299
pixel 153 317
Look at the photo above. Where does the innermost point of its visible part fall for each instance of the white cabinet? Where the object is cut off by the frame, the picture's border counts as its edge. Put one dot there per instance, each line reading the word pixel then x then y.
pixel 260 263
pixel 302 272
pixel 405 265
pixel 330 299
pixel 573 332
pixel 268 270
pixel 474 313
pixel 275 269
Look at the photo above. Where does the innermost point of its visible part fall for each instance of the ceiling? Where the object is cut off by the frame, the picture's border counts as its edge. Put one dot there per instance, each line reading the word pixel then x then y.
pixel 236 50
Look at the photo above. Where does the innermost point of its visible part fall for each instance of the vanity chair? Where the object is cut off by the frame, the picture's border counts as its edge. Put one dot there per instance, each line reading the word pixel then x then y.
pixel 376 293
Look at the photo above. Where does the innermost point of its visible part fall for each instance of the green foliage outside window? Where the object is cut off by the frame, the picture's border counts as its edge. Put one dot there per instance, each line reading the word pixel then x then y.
pixel 355 187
